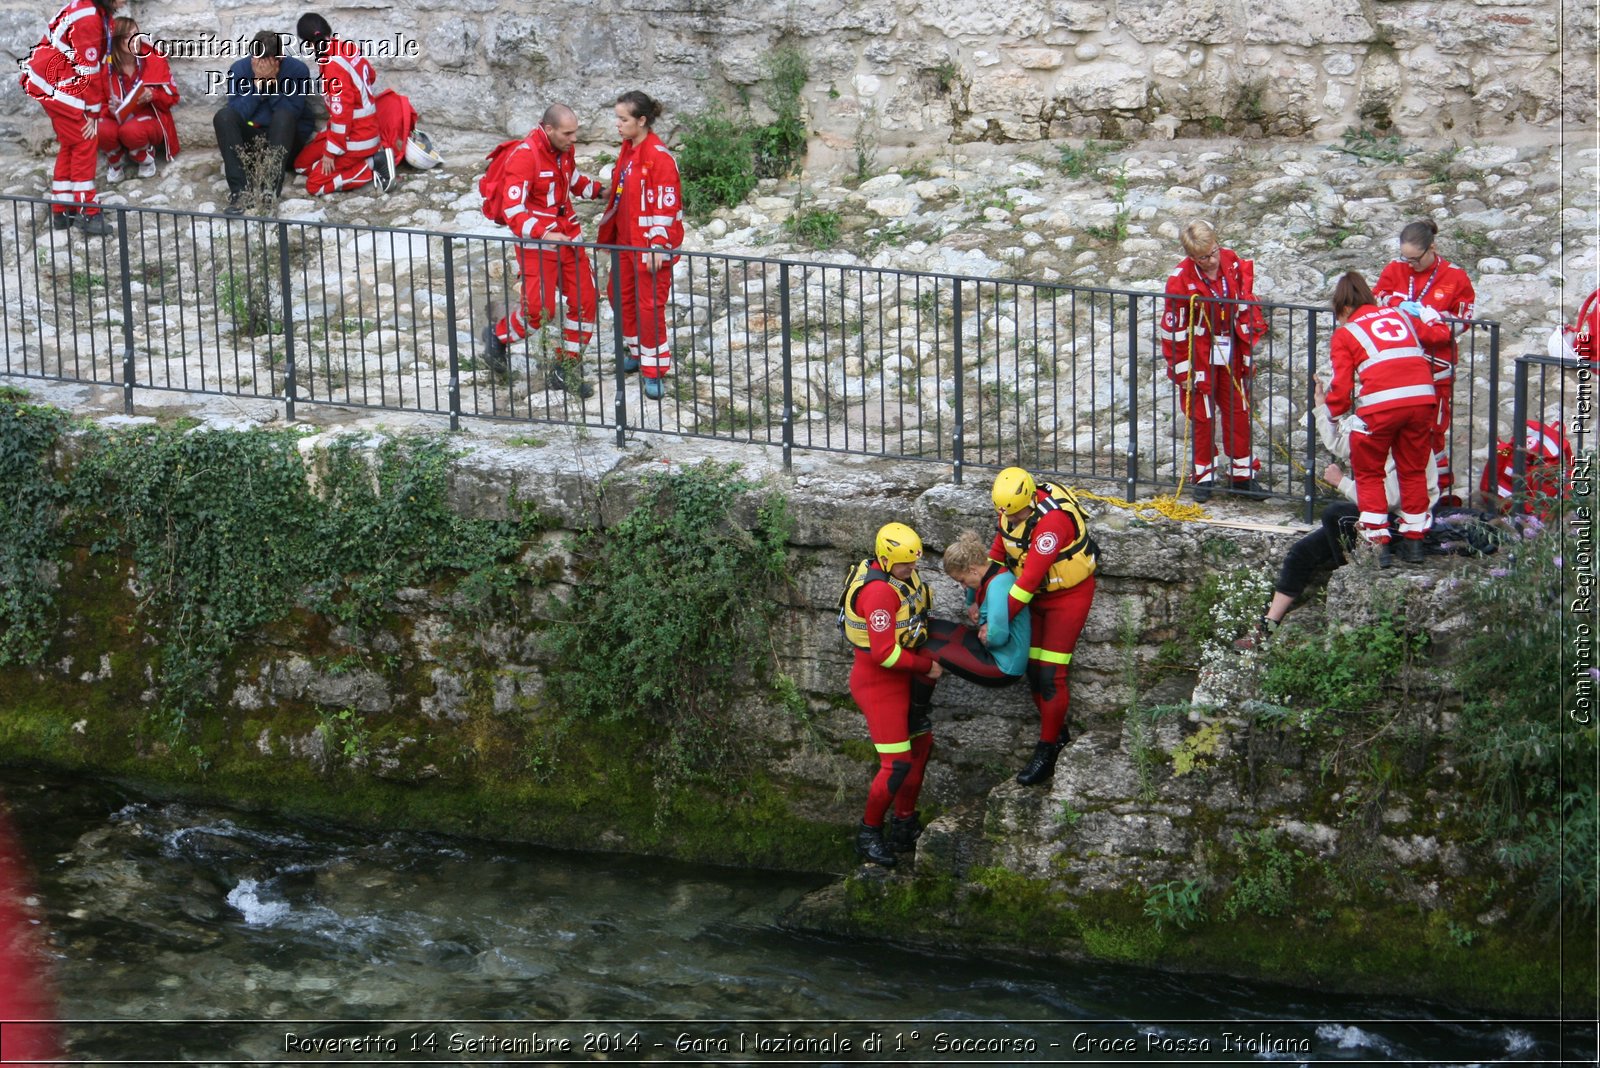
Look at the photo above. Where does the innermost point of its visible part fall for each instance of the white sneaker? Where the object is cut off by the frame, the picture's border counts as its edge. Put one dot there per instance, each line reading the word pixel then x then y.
pixel 383 169
pixel 113 173
pixel 147 169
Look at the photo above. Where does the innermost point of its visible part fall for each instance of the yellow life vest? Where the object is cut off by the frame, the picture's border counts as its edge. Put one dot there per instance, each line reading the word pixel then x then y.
pixel 910 622
pixel 1075 562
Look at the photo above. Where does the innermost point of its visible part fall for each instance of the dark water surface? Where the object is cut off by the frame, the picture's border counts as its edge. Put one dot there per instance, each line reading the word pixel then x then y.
pixel 263 940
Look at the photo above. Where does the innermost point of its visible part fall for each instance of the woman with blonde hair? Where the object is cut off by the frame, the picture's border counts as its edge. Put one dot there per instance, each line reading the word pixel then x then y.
pixel 1209 330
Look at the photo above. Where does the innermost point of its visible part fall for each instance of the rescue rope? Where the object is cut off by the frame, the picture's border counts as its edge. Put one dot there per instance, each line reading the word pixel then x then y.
pixel 1171 505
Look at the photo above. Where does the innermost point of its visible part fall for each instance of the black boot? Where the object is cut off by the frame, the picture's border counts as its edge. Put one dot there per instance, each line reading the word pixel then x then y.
pixel 903 833
pixel 871 847
pixel 1411 550
pixel 1201 492
pixel 568 379
pixel 1042 764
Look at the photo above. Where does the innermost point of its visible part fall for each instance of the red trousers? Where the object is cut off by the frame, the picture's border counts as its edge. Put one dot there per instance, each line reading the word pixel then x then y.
pixel 884 697
pixel 137 134
pixel 546 271
pixel 643 308
pixel 1224 410
pixel 72 185
pixel 1408 433
pixel 1440 438
pixel 349 171
pixel 1057 621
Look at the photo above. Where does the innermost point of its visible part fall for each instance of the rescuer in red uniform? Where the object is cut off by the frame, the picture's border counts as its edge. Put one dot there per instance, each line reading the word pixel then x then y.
pixel 1043 537
pixel 1424 279
pixel 885 609
pixel 541 177
pixel 644 211
pixel 66 73
pixel 1380 370
pixel 138 119
pixel 1208 343
pixel 349 153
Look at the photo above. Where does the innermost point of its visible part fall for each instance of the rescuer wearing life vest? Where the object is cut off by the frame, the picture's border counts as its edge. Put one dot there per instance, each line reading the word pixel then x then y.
pixel 885 614
pixel 1043 538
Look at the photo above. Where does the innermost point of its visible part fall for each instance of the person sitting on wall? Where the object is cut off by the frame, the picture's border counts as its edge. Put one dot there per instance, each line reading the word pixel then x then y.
pixel 1328 546
pixel 268 94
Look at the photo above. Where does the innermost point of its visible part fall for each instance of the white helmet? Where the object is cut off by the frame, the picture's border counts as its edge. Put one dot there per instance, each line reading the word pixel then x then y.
pixel 420 152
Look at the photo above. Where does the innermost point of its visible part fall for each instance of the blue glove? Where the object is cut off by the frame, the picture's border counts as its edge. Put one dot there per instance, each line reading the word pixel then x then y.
pixel 1412 308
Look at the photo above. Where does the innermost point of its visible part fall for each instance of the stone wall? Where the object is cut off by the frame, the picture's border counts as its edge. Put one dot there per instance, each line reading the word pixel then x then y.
pixel 916 75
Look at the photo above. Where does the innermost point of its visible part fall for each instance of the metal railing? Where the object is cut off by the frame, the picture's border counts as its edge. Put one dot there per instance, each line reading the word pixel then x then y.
pixel 1546 390
pixel 797 354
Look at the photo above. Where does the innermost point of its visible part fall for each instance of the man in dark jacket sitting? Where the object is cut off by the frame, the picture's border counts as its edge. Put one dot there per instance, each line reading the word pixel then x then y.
pixel 268 98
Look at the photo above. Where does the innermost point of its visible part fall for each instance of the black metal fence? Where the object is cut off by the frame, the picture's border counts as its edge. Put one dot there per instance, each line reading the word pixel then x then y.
pixel 796 354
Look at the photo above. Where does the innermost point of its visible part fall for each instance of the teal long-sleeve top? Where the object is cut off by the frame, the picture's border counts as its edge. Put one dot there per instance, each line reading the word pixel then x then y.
pixel 1008 634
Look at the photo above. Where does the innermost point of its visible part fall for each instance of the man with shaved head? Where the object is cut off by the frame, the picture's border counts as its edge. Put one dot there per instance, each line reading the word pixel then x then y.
pixel 541 177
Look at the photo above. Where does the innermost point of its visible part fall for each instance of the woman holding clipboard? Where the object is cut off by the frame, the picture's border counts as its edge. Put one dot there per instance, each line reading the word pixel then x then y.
pixel 141 92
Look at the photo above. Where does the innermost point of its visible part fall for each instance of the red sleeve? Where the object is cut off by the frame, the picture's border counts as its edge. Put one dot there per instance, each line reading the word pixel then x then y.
pixel 1251 323
pixel 342 98
pixel 1389 289
pixel 1174 330
pixel 1054 532
pixel 517 194
pixel 87 37
pixel 158 77
pixel 878 604
pixel 666 230
pixel 1343 352
pixel 1465 297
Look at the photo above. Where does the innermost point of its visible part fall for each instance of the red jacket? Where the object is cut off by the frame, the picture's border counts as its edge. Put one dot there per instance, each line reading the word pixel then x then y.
pixel 1189 325
pixel 349 87
pixel 1445 288
pixel 1053 532
pixel 68 64
pixel 150 72
pixel 645 207
pixel 1585 333
pixel 1381 348
pixel 539 182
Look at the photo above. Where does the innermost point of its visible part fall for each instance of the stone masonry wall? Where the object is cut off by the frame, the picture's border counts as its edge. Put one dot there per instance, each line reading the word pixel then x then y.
pixel 917 75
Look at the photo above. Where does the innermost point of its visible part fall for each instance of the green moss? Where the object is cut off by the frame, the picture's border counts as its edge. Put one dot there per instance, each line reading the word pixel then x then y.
pixel 1374 947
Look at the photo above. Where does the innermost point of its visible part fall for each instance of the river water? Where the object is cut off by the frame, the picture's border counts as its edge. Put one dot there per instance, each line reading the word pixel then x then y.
pixel 189 934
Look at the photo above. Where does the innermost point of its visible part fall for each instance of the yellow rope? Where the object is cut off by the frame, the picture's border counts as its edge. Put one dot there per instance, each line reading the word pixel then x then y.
pixel 1171 505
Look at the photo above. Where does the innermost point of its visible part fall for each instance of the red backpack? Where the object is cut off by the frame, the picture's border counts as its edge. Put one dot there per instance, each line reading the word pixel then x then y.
pixel 493 182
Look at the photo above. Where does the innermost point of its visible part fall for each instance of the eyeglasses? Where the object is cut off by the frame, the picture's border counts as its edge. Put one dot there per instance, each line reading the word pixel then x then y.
pixel 1417 261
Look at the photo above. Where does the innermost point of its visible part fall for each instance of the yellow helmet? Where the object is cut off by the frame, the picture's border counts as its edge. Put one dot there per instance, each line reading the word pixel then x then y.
pixel 897 544
pixel 1013 490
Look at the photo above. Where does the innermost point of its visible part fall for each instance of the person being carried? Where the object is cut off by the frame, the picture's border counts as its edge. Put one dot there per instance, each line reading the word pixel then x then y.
pixel 643 211
pixel 1208 338
pixel 350 153
pixel 138 119
pixel 884 611
pixel 268 94
pixel 532 183
pixel 993 650
pixel 1042 536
